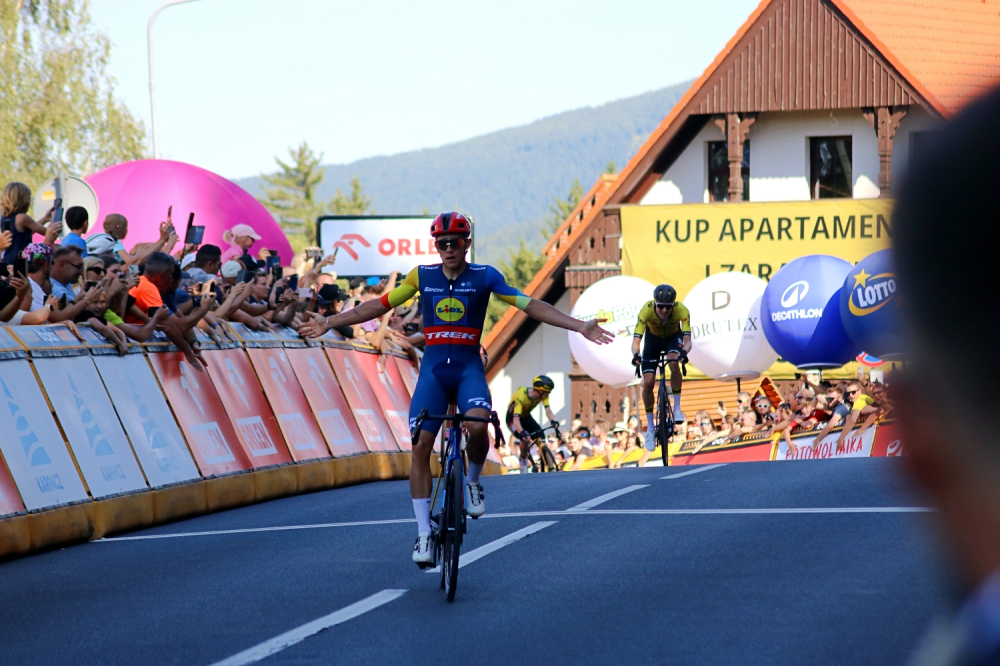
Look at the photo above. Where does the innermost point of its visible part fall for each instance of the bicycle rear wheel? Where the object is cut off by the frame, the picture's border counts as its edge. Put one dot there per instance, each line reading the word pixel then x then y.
pixel 664 420
pixel 452 531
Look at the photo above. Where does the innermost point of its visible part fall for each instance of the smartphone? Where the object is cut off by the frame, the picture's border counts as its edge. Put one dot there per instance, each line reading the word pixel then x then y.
pixel 721 405
pixel 272 253
pixel 57 214
pixel 277 271
pixel 335 251
pixel 293 282
pixel 89 284
pixel 7 225
pixel 133 270
pixel 152 311
pixel 245 276
pixel 21 267
pixel 62 302
pixel 315 254
pixel 194 234
pixel 272 261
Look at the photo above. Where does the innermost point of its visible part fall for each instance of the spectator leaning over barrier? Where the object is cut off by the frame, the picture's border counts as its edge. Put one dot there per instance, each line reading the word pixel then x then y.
pixel 39 261
pixel 115 231
pixel 206 265
pixel 871 407
pixel 763 410
pixel 77 221
pixel 838 412
pixel 67 265
pixel 580 447
pixel 624 443
pixel 806 418
pixel 17 291
pixel 746 423
pixel 14 204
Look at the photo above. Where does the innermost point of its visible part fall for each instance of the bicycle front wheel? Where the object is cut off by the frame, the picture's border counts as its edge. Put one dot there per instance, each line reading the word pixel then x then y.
pixel 452 530
pixel 664 420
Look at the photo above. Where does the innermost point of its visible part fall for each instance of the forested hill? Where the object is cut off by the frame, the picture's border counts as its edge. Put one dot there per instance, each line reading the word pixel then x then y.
pixel 506 180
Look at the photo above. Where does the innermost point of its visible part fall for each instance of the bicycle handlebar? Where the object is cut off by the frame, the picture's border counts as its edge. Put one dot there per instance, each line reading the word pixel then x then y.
pixel 682 358
pixel 456 418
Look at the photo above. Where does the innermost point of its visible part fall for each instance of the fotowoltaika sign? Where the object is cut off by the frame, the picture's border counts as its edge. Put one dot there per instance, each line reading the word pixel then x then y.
pixel 371 245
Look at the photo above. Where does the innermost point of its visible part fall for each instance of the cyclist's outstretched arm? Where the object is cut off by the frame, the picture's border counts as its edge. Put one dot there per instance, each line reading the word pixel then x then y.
pixel 364 312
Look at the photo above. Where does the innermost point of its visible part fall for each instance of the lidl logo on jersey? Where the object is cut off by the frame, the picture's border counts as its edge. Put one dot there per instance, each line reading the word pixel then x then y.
pixel 450 309
pixel 871 292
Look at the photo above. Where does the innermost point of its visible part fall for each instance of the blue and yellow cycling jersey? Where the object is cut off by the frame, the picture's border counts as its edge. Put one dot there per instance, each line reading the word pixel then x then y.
pixel 453 313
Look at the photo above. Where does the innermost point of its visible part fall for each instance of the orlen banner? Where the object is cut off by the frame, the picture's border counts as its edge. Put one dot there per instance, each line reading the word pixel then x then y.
pixel 618 300
pixel 371 245
pixel 683 244
pixel 854 447
pixel 91 425
pixel 32 445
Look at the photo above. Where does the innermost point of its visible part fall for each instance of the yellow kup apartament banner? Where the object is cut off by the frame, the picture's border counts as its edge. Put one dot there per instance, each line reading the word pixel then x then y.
pixel 682 244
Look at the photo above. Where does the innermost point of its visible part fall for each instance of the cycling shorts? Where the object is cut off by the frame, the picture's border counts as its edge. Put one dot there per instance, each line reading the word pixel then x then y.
pixel 442 384
pixel 527 422
pixel 654 345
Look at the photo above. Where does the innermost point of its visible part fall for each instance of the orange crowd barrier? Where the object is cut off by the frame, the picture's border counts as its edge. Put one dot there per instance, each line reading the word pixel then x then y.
pixel 360 397
pixel 390 394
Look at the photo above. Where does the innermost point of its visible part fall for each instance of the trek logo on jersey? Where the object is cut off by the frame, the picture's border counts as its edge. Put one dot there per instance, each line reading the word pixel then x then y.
pixel 452 335
pixel 871 292
pixel 450 309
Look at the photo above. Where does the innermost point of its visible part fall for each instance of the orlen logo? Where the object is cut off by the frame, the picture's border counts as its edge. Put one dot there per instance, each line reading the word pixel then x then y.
pixel 794 294
pixel 871 292
pixel 347 240
pixel 449 309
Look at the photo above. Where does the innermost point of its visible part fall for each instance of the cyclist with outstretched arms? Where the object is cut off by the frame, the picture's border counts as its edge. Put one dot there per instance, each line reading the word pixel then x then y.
pixel 667 328
pixel 519 420
pixel 453 297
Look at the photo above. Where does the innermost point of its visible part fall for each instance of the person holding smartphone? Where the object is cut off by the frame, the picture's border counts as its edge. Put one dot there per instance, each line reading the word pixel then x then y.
pixel 15 201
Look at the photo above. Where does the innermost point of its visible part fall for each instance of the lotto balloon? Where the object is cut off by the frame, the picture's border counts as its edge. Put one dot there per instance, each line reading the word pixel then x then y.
pixel 617 299
pixel 869 306
pixel 727 340
pixel 800 313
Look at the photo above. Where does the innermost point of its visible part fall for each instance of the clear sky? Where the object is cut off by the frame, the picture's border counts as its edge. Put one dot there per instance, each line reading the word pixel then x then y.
pixel 240 81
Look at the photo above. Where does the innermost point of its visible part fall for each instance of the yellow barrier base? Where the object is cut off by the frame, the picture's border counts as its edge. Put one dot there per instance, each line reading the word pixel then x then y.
pixel 62 526
pixel 15 536
pixel 181 501
pixel 274 482
pixel 405 459
pixel 352 470
pixel 315 475
pixel 121 514
pixel 382 466
pixel 493 469
pixel 230 491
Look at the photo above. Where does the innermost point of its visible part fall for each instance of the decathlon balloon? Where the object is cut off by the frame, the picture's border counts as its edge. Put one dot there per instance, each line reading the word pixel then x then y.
pixel 800 313
pixel 727 340
pixel 869 307
pixel 617 299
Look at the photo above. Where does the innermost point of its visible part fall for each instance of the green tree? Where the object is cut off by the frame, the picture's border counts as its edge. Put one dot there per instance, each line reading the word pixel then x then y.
pixel 58 110
pixel 357 204
pixel 519 270
pixel 560 209
pixel 612 168
pixel 290 194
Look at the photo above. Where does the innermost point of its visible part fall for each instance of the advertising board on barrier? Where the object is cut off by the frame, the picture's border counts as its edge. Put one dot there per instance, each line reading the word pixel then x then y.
pixel 373 245
pixel 144 413
pixel 33 447
pixel 888 441
pixel 683 244
pixel 360 397
pixel 91 425
pixel 854 447
pixel 247 408
pixel 290 407
pixel 407 372
pixel 10 499
pixel 201 415
pixel 327 401
pixel 390 394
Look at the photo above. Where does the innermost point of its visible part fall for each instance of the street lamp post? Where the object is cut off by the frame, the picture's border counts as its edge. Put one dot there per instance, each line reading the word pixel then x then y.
pixel 152 87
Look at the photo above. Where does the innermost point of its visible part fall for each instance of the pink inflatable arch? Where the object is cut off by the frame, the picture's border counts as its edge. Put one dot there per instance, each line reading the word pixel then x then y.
pixel 142 190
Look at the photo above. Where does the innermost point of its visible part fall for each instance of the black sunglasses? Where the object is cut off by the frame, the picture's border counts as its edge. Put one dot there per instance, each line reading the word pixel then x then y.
pixel 96 269
pixel 447 243
pixel 664 306
pixel 852 392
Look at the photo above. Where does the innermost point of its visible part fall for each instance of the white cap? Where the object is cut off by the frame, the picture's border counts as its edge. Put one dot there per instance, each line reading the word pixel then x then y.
pixel 187 260
pixel 231 269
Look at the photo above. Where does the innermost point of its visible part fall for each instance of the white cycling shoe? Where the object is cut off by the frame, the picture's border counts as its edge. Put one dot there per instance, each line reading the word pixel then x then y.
pixel 678 415
pixel 475 500
pixel 423 551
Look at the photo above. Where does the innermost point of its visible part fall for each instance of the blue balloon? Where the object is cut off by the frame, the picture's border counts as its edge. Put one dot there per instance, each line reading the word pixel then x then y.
pixel 869 306
pixel 800 313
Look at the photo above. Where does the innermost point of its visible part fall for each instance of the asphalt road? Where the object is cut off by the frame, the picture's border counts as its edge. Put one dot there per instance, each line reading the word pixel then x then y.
pixel 697 569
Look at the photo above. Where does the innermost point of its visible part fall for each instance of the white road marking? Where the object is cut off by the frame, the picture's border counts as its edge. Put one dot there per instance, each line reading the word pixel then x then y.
pixel 701 468
pixel 540 514
pixel 483 551
pixel 299 634
pixel 605 498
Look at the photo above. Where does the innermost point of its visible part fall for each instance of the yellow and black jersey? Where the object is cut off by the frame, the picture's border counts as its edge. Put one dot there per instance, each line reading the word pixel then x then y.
pixel 522 403
pixel 680 320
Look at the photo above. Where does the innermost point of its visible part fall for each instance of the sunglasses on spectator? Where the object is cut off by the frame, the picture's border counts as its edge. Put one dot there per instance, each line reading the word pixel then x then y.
pixel 97 269
pixel 78 267
pixel 448 243
pixel 853 391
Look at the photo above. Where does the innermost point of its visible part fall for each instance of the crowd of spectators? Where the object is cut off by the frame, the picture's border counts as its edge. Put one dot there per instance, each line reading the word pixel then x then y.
pixel 127 294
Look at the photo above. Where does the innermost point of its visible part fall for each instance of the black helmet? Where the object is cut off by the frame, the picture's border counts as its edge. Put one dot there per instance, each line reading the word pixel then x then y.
pixel 543 383
pixel 664 294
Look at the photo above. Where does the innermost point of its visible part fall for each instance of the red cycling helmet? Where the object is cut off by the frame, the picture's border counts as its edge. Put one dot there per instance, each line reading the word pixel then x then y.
pixel 451 223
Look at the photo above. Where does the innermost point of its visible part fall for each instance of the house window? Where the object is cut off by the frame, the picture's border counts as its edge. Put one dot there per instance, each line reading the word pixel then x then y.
pixel 718 171
pixel 830 175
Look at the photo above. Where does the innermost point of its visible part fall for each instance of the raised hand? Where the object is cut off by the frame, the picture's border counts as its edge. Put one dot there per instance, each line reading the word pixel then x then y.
pixel 592 331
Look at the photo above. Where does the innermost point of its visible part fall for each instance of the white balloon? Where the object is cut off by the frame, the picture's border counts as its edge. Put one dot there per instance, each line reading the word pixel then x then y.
pixel 617 299
pixel 728 342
